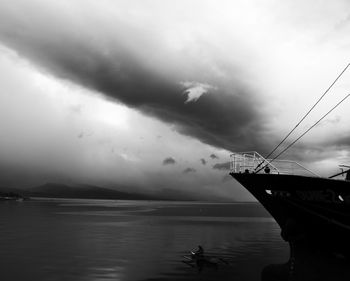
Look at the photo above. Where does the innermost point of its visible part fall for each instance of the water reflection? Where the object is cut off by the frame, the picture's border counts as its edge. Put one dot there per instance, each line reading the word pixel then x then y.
pixel 308 264
pixel 127 240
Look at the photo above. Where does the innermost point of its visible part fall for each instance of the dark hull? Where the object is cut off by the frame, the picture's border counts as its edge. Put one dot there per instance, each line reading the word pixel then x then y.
pixel 312 212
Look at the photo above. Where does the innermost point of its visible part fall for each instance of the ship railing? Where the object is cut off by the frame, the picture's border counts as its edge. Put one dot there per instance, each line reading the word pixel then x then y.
pixel 252 161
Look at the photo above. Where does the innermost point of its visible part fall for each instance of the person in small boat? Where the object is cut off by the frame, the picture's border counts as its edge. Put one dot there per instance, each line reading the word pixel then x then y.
pixel 199 252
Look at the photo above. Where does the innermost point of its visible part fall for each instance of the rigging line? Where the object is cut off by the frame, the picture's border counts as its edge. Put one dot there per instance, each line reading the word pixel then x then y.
pixel 315 124
pixel 302 119
pixel 338 174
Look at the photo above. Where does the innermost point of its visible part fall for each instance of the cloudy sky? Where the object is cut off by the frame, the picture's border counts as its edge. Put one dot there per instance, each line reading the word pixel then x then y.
pixel 154 94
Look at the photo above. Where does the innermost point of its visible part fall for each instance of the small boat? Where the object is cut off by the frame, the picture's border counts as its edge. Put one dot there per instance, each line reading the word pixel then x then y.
pixel 201 261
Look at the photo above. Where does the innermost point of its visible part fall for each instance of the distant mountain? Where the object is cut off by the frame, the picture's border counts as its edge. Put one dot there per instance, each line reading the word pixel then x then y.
pixel 83 191
pixel 56 190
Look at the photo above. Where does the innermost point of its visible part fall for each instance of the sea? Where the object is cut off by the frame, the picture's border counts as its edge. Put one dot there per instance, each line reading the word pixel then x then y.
pixel 119 240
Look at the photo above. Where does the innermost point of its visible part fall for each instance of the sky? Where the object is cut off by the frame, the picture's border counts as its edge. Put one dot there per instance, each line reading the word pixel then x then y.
pixel 153 95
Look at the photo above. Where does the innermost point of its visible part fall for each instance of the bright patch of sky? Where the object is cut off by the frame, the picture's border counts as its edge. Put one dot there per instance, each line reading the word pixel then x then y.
pixel 194 90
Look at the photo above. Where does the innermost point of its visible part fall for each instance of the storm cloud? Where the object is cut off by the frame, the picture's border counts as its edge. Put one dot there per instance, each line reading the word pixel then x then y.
pixel 222 113
pixel 189 170
pixel 227 77
pixel 222 166
pixel 169 161
pixel 213 156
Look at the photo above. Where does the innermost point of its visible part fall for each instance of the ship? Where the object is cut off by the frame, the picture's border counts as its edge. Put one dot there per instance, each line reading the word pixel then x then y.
pixel 312 211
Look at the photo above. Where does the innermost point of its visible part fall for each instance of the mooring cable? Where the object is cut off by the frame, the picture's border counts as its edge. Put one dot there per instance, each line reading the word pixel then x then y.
pixel 303 118
pixel 315 124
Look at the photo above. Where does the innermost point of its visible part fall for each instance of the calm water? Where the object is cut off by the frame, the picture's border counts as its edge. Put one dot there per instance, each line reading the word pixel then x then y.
pixel 134 240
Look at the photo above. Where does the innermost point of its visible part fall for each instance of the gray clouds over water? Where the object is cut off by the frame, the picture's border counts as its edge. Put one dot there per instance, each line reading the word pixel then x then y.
pixel 235 75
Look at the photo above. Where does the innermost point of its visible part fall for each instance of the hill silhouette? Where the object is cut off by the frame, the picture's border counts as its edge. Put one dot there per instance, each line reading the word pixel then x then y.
pixel 83 191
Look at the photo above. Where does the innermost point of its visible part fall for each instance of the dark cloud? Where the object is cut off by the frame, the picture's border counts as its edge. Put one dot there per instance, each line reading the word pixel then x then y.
pixel 189 170
pixel 169 161
pixel 203 161
pixel 227 117
pixel 342 142
pixel 222 166
pixel 213 156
